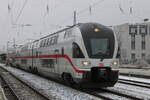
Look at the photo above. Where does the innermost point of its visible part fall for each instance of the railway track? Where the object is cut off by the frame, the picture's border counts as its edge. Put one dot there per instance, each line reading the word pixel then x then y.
pixel 117 93
pixel 109 95
pixel 8 91
pixel 50 89
pixel 121 95
pixel 121 91
pixel 135 83
pixel 141 82
pixel 19 89
pixel 126 89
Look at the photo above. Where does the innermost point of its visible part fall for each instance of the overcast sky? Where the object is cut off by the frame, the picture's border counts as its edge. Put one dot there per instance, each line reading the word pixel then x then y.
pixel 46 16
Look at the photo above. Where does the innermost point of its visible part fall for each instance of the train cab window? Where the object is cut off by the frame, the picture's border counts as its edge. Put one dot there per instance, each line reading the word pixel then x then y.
pixel 77 53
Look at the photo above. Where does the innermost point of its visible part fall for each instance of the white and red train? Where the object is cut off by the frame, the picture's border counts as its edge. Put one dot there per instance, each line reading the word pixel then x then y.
pixel 84 54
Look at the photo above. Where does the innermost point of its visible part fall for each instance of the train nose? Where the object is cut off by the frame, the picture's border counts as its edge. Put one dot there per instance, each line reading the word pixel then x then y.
pixel 98 73
pixel 100 76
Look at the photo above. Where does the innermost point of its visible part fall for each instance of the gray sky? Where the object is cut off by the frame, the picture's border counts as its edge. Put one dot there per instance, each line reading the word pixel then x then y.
pixel 107 12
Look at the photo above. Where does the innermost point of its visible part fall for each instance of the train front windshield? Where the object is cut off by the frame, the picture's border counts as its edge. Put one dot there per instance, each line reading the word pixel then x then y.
pixel 99 47
pixel 98 43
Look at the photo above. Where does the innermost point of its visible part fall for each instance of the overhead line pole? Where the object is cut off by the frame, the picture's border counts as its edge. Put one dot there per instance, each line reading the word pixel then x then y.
pixel 75 18
pixel 7 47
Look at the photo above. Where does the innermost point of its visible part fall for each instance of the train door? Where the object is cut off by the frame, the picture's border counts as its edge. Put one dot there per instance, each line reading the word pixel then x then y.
pixel 56 65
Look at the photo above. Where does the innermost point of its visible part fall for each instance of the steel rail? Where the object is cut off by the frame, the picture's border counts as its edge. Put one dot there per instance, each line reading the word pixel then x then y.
pixel 11 89
pixel 120 94
pixel 135 83
pixel 24 83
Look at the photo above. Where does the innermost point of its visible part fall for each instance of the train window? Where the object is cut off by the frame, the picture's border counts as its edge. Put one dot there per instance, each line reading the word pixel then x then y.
pixel 41 44
pixel 65 35
pixel 45 42
pixel 37 43
pixel 62 50
pixel 52 41
pixel 118 53
pixel 48 63
pixel 77 53
pixel 56 39
pixel 36 53
pixel 68 33
pixel 24 61
pixel 48 41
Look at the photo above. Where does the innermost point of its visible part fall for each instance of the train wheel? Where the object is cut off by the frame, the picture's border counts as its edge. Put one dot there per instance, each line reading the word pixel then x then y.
pixel 36 70
pixel 30 69
pixel 68 79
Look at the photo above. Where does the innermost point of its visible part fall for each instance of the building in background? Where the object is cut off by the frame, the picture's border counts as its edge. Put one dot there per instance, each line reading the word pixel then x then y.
pixel 134 42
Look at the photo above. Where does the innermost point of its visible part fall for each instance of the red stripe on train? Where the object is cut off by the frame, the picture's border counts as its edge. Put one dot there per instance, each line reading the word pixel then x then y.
pixel 55 56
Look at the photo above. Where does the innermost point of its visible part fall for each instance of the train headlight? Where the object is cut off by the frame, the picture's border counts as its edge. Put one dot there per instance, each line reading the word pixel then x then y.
pixel 115 63
pixel 96 30
pixel 86 63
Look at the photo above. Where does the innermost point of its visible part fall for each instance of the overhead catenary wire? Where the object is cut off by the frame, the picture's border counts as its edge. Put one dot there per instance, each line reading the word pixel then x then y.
pixel 15 19
pixel 24 4
pixel 46 13
pixel 89 8
pixel 130 8
pixel 10 14
pixel 93 5
pixel 120 8
pixel 10 10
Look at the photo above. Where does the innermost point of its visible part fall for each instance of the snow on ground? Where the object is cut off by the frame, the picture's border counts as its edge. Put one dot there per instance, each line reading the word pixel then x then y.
pixel 49 88
pixel 135 91
pixel 140 69
pixel 134 79
pixel 115 97
pixel 139 72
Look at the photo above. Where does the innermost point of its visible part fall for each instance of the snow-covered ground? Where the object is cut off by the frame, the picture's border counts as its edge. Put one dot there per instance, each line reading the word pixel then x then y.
pixel 134 79
pixel 50 89
pixel 135 91
pixel 57 91
pixel 133 70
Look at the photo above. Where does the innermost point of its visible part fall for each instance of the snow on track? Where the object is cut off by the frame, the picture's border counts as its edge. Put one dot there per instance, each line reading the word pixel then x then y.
pixel 135 79
pixel 49 88
pixel 113 96
pixel 135 91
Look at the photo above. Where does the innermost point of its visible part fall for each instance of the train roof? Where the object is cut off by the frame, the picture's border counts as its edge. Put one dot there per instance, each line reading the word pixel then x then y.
pixel 57 32
pixel 79 24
